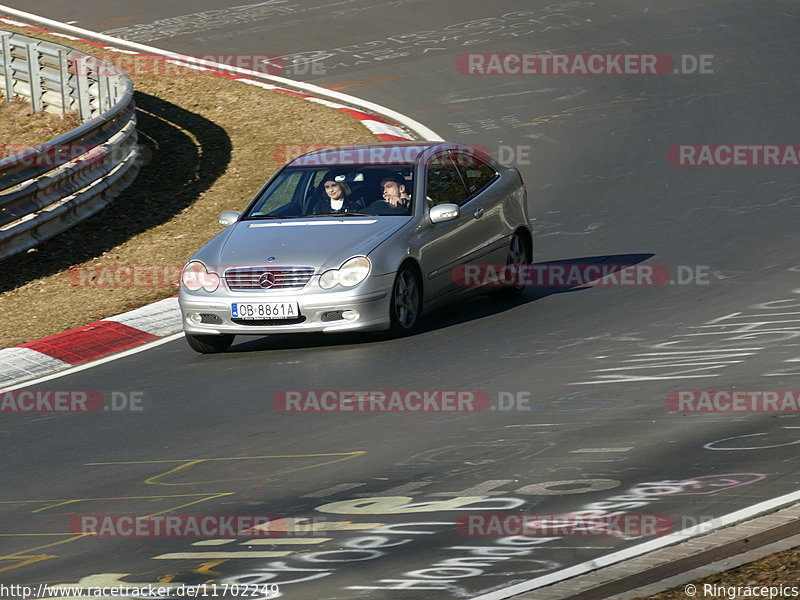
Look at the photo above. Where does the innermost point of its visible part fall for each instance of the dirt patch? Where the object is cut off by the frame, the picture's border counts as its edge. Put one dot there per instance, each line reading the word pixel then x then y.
pixel 208 144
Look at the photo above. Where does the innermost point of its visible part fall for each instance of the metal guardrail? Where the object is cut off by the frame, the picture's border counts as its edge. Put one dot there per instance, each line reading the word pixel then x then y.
pixel 47 189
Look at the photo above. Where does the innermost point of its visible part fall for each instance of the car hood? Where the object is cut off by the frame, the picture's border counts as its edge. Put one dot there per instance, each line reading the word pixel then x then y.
pixel 318 242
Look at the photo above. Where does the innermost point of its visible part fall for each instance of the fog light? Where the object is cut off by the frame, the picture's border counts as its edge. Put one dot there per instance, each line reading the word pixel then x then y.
pixel 350 315
pixel 195 318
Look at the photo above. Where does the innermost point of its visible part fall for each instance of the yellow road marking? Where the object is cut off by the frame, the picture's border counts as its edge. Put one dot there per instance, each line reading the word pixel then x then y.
pixel 305 524
pixel 60 502
pixel 63 503
pixel 216 542
pixel 204 555
pixel 206 568
pixel 186 463
pixel 83 535
pixel 220 458
pixel 62 534
pixel 72 539
pixel 284 541
pixel 26 560
pixel 185 505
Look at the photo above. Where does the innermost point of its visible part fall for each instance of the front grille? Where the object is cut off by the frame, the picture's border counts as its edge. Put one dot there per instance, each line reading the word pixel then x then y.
pixel 210 319
pixel 282 278
pixel 264 322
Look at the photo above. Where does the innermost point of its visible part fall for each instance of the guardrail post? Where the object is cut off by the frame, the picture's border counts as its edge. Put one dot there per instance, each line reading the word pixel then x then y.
pixel 63 67
pixel 103 93
pixel 32 56
pixel 82 89
pixel 5 39
pixel 114 89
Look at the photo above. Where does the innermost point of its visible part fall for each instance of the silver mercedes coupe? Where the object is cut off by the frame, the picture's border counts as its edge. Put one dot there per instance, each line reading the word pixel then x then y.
pixel 356 238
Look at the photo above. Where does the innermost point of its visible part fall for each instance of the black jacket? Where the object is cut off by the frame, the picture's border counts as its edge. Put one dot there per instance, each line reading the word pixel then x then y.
pixel 323 205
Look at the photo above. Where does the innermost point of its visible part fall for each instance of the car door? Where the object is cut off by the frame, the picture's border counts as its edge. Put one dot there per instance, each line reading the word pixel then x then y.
pixel 449 245
pixel 484 197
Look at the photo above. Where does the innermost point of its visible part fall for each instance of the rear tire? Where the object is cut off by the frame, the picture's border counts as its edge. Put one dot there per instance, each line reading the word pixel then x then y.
pixel 406 302
pixel 209 344
pixel 518 256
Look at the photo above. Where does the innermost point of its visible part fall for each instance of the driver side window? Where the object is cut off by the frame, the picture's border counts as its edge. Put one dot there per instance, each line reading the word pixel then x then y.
pixel 444 183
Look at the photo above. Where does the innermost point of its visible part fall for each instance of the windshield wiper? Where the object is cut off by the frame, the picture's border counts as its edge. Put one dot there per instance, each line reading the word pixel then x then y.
pixel 340 214
pixel 263 217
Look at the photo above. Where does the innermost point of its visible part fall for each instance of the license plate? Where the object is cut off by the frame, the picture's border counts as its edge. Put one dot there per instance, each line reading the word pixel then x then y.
pixel 264 310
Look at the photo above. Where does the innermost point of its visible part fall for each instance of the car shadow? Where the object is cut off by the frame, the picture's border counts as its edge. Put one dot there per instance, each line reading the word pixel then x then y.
pixel 458 312
pixel 480 307
pixel 163 188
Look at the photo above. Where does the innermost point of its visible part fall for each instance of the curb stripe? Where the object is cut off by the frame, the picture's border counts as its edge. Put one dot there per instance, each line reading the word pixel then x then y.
pixel 18 364
pixel 89 342
pixel 362 116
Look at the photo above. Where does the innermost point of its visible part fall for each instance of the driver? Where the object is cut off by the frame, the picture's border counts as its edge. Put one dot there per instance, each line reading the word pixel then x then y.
pixel 396 199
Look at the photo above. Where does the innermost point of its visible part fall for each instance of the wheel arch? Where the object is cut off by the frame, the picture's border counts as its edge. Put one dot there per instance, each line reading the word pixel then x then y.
pixel 527 237
pixel 414 264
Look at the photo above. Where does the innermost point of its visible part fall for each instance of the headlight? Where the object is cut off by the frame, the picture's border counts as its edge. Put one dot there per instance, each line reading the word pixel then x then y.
pixel 196 276
pixel 351 273
pixel 354 271
pixel 329 279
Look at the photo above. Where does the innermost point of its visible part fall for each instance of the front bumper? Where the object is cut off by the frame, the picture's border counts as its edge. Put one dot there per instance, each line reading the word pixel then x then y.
pixel 370 300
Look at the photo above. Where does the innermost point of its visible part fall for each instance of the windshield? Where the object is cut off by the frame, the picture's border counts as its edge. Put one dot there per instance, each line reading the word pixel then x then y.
pixel 354 190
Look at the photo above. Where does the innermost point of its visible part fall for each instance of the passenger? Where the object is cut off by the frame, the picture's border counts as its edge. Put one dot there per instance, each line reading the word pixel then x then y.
pixel 396 199
pixel 334 197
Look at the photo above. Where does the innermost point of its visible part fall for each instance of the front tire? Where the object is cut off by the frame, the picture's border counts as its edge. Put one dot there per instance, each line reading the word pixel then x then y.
pixel 518 256
pixel 209 344
pixel 406 301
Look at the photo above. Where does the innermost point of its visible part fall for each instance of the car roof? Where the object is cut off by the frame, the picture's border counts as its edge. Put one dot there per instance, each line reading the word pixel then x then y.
pixel 378 153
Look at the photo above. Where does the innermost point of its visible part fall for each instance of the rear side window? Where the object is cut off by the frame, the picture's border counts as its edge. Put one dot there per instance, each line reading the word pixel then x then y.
pixel 477 174
pixel 445 185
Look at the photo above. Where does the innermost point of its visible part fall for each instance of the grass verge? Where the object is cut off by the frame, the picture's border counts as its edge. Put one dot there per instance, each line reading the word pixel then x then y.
pixel 208 145
pixel 775 570
pixel 19 129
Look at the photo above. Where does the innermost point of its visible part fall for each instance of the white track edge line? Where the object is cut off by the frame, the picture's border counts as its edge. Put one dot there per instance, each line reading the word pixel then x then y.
pixel 640 549
pixel 417 127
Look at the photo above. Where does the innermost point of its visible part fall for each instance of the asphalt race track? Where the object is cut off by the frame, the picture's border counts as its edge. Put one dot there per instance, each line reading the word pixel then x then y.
pixel 597 363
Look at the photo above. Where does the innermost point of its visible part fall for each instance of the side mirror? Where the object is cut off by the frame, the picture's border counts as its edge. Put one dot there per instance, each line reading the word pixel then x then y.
pixel 229 217
pixel 444 212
